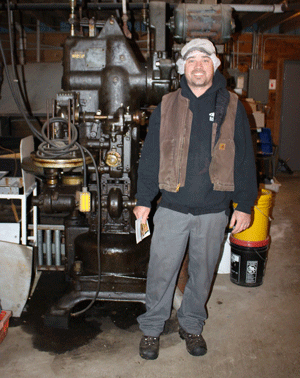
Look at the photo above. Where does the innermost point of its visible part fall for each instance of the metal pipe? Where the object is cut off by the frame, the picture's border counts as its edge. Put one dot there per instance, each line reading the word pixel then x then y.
pixel 48 118
pixel 72 19
pixel 126 31
pixel 258 58
pixel 65 6
pixel 264 46
pixel 44 268
pixel 40 247
pixel 38 41
pixel 124 7
pixel 48 247
pixel 275 8
pixel 57 247
pixel 63 250
pixel 69 121
pixel 47 227
pixel 22 42
pixel 35 218
pixel 253 49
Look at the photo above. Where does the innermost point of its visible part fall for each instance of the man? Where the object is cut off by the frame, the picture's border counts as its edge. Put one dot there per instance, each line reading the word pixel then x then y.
pixel 198 153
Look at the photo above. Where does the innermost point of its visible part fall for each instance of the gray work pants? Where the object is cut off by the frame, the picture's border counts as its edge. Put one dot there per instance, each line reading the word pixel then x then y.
pixel 172 232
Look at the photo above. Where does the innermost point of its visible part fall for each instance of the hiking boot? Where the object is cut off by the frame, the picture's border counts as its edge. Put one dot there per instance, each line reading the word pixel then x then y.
pixel 149 347
pixel 195 344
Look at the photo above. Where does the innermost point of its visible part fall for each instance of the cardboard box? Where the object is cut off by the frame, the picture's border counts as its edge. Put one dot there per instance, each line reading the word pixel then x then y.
pixel 252 104
pixel 259 118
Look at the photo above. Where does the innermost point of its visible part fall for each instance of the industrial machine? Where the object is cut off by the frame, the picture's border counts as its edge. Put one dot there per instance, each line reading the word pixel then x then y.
pixel 88 151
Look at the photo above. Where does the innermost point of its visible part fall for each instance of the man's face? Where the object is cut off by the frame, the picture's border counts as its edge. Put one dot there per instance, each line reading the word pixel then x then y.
pixel 199 72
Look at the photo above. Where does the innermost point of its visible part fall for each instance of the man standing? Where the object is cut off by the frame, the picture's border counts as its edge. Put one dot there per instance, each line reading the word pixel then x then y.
pixel 198 153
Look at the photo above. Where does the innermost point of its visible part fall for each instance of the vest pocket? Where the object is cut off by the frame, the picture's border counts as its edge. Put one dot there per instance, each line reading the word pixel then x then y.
pixel 222 165
pixel 167 172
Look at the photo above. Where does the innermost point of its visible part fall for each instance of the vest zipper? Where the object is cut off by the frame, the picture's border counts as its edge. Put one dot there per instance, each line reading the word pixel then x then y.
pixel 181 151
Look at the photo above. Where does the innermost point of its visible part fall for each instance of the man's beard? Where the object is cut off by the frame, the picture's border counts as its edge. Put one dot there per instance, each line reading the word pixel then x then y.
pixel 201 81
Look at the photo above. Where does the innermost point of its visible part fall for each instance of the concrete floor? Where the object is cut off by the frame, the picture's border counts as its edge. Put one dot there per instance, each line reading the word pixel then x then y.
pixel 251 332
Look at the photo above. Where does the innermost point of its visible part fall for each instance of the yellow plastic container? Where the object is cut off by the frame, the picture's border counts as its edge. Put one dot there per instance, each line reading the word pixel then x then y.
pixel 259 229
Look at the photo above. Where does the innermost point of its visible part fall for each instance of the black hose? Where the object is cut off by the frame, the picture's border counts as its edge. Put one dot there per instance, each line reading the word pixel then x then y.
pixel 53 148
pixel 98 239
pixel 84 164
pixel 14 94
pixel 30 125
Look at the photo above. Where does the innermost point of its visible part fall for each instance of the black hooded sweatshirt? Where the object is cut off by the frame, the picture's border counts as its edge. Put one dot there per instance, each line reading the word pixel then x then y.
pixel 197 195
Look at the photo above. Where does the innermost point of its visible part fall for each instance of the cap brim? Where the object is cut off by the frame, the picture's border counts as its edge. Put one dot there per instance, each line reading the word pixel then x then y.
pixel 201 49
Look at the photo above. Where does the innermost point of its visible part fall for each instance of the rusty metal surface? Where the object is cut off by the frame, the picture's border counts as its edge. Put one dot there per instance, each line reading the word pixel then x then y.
pixel 203 21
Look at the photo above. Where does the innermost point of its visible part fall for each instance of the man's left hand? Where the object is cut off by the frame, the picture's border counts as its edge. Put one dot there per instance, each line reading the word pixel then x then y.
pixel 240 220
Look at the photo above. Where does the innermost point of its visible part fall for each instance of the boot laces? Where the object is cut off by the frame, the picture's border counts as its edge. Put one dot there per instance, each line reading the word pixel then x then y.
pixel 149 340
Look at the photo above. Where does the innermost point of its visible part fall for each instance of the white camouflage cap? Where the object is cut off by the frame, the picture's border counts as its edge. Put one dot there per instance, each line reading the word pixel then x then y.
pixel 203 45
pixel 200 45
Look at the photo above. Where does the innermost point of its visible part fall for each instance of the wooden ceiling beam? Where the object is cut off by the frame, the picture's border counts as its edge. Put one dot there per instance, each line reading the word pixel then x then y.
pixel 291 24
pixel 250 19
pixel 274 20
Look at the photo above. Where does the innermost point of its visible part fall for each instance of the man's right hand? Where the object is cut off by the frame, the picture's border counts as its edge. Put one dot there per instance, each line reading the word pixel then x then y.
pixel 141 211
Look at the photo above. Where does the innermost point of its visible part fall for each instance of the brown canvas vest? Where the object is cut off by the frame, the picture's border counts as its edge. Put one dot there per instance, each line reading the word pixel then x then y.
pixel 175 131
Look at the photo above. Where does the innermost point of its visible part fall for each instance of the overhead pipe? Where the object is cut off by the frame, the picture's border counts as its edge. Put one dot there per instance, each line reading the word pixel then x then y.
pixel 125 19
pixel 275 8
pixel 66 6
